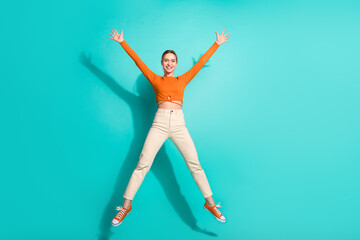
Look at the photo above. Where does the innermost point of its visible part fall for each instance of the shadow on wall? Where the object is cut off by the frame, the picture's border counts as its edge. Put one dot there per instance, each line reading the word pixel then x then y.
pixel 143 109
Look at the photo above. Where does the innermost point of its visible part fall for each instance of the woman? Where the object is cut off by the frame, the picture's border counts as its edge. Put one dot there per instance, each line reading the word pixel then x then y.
pixel 168 123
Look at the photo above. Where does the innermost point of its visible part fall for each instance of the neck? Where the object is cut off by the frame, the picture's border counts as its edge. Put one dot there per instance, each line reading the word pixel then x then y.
pixel 168 75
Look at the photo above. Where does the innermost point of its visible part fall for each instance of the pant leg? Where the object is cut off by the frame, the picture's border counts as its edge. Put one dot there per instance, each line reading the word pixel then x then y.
pixel 179 134
pixel 156 137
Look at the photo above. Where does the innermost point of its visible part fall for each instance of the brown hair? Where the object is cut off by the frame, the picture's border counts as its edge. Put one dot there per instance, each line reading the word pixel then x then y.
pixel 169 51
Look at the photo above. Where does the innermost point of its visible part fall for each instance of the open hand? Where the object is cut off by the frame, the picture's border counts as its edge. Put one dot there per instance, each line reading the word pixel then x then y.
pixel 221 39
pixel 117 37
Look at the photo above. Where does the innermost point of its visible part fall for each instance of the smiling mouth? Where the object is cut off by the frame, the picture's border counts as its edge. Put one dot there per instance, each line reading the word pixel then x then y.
pixel 169 68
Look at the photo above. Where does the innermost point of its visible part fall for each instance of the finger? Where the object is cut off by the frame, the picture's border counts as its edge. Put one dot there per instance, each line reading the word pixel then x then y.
pixel 115 31
pixel 223 32
pixel 111 38
pixel 226 34
pixel 111 35
pixel 226 37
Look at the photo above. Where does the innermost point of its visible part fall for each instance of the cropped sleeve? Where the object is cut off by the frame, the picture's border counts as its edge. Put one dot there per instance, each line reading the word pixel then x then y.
pixel 196 68
pixel 142 66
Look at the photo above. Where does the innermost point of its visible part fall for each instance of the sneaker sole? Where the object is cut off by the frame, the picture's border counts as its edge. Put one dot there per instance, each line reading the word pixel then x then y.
pixel 116 224
pixel 220 220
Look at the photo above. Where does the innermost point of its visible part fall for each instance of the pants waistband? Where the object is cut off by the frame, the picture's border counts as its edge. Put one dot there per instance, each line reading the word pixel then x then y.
pixel 162 110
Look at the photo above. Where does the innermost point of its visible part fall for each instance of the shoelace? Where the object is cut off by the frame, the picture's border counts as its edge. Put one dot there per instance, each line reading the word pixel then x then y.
pixel 121 211
pixel 217 210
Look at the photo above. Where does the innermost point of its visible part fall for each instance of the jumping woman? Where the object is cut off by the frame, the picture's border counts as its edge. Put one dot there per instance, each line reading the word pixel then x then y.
pixel 168 123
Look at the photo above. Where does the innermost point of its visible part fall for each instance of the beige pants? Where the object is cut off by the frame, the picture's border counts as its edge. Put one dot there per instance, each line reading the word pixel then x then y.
pixel 168 124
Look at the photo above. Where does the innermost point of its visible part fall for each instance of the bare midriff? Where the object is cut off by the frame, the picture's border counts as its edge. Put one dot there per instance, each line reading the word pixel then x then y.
pixel 170 105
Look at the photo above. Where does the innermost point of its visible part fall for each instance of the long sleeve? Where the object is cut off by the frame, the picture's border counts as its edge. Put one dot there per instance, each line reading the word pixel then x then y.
pixel 196 68
pixel 142 66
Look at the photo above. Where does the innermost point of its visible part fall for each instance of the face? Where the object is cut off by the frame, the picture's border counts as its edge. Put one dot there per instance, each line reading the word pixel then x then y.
pixel 169 63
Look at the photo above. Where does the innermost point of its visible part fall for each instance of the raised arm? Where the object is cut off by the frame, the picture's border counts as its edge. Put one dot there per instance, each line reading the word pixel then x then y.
pixel 205 57
pixel 141 65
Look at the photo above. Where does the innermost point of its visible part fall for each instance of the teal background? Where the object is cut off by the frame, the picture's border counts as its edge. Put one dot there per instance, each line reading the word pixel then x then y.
pixel 274 116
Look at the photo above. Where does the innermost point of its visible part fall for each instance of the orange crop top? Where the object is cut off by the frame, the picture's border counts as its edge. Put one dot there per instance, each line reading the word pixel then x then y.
pixel 169 88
